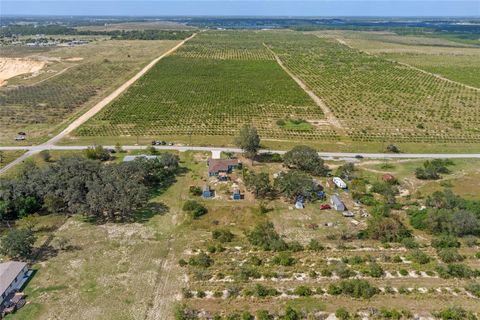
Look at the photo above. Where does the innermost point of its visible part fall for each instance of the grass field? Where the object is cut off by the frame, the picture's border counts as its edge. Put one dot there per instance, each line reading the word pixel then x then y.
pixel 8 156
pixel 211 86
pixel 73 80
pixel 131 271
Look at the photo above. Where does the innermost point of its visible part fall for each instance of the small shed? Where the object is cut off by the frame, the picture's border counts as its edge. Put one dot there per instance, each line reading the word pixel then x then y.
pixel 236 194
pixel 300 203
pixel 337 204
pixel 207 193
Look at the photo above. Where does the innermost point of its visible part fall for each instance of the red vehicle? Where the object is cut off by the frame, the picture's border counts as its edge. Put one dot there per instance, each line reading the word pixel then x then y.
pixel 325 207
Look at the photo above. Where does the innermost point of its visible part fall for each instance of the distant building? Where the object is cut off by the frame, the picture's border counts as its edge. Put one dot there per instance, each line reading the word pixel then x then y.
pixel 207 193
pixel 224 166
pixel 337 204
pixel 339 183
pixel 13 275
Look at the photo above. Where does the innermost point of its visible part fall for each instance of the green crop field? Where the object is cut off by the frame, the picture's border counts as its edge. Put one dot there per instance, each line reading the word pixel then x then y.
pixel 221 80
pixel 376 99
pixel 211 86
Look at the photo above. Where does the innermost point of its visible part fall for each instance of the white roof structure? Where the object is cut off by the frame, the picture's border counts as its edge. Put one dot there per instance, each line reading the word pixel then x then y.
pixel 339 183
pixel 131 158
pixel 8 272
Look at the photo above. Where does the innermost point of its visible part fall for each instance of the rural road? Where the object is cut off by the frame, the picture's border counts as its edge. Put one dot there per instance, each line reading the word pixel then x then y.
pixel 91 112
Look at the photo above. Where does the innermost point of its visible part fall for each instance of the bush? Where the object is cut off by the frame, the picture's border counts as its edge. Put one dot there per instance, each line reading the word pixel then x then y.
pixel 315 245
pixel 455 313
pixel 291 314
pixel 449 255
pixel 284 259
pixel 376 270
pixel 343 271
pixel 473 288
pixel 410 243
pixel 303 291
pixel 97 153
pixel 265 236
pixel 194 208
pixel 356 288
pixel 195 191
pixel 295 246
pixel 455 270
pixel 45 155
pixel 418 256
pixel 342 314
pixel 262 291
pixel 263 315
pixel 201 260
pixel 445 241
pixel 222 235
pixel 403 272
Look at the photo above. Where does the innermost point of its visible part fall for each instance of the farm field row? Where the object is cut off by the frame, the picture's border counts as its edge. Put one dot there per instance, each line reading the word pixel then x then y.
pixel 377 99
pixel 211 86
pixel 452 60
pixel 221 80
pixel 73 80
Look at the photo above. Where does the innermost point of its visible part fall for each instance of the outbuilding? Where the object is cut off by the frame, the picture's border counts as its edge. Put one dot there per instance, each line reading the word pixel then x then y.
pixel 207 193
pixel 337 204
pixel 13 275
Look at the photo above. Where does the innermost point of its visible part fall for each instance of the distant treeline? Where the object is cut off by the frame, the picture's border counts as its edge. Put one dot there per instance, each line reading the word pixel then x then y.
pixel 50 30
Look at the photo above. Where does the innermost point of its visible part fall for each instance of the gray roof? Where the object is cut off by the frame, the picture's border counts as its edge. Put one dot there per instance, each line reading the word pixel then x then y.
pixel 336 200
pixel 131 158
pixel 8 272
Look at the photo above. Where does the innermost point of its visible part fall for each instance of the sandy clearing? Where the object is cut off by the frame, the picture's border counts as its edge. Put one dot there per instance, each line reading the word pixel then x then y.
pixel 12 67
pixel 73 59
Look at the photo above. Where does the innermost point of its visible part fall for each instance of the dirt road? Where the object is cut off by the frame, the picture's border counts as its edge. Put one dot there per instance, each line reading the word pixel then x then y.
pixel 99 106
pixel 330 117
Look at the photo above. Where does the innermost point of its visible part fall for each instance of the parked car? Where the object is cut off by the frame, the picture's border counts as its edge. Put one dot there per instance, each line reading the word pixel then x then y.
pixel 325 206
pixel 358 156
pixel 19 138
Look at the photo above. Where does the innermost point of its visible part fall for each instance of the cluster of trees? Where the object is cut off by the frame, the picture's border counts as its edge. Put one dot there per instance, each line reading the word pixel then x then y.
pixel 447 213
pixel 30 29
pixel 182 312
pixel 81 186
pixel 432 169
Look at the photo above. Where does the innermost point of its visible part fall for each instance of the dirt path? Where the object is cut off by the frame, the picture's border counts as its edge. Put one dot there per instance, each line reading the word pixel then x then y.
pixel 163 298
pixel 342 41
pixel 99 106
pixel 330 117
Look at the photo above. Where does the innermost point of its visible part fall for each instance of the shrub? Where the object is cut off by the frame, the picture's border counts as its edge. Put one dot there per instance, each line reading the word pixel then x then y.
pixel 263 315
pixel 403 272
pixel 356 288
pixel 455 313
pixel 284 259
pixel 343 271
pixel 186 293
pixel 265 236
pixel 194 208
pixel 255 261
pixel 45 155
pixel 473 288
pixel 410 243
pixel 315 245
pixel 295 246
pixel 222 235
pixel 291 314
pixel 201 260
pixel 195 191
pixel 418 256
pixel 247 315
pixel 201 294
pixel 376 270
pixel 342 314
pixel 303 291
pixel 397 259
pixel 449 255
pixel 262 291
pixel 445 241
pixel 455 270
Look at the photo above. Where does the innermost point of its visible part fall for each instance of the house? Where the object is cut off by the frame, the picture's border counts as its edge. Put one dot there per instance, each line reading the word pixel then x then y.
pixel 221 166
pixel 299 203
pixel 339 183
pixel 143 156
pixel 337 204
pixel 13 275
pixel 236 195
pixel 207 193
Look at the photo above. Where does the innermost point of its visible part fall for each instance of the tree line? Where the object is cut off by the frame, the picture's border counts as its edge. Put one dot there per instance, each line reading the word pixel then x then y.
pixel 75 185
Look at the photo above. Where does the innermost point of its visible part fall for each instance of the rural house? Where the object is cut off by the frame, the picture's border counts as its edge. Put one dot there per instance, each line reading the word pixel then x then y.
pixel 337 204
pixel 13 275
pixel 221 166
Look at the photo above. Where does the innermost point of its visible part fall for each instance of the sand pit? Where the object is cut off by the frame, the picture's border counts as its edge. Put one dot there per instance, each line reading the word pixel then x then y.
pixel 10 67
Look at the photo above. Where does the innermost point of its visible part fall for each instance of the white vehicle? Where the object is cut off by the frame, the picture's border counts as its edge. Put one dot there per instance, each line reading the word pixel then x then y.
pixel 339 183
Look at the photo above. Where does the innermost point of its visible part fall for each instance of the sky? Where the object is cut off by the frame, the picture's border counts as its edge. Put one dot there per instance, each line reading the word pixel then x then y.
pixel 320 8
